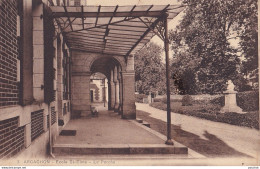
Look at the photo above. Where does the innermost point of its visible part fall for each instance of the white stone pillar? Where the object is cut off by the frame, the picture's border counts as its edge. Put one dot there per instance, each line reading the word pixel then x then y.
pixel 112 91
pixel 116 89
pixel 38 53
pixel 120 96
pixel 120 90
pixel 117 96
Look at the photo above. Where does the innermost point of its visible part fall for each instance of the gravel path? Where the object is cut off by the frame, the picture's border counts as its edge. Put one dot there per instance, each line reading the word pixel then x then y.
pixel 212 139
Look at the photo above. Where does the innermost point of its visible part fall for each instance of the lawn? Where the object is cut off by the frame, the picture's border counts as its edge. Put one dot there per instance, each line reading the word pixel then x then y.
pixel 209 111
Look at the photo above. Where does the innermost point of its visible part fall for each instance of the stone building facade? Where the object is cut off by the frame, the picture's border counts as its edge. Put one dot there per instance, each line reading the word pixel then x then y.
pixel 43 83
pixel 98 88
pixel 34 79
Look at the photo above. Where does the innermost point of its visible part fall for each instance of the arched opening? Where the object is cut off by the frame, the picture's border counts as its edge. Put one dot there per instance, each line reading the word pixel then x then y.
pixel 99 91
pixel 107 71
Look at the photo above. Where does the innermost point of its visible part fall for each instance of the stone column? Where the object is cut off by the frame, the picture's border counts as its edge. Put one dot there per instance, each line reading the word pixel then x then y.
pixel 120 96
pixel 38 53
pixel 120 91
pixel 129 108
pixel 112 94
pixel 128 99
pixel 112 91
pixel 117 96
pixel 81 94
pixel 109 95
pixel 59 77
pixel 116 89
pixel 27 62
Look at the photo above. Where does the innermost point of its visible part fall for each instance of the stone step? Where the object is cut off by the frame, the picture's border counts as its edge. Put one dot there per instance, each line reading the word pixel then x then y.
pixel 139 120
pixel 146 124
pixel 79 149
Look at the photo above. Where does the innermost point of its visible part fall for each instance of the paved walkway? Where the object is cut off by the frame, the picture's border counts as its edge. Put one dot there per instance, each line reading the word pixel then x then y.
pixel 242 139
pixel 107 128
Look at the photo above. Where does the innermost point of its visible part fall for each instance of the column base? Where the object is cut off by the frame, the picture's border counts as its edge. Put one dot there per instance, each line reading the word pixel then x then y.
pixel 169 142
pixel 120 109
pixel 116 107
pixel 128 116
pixel 76 114
pixel 85 113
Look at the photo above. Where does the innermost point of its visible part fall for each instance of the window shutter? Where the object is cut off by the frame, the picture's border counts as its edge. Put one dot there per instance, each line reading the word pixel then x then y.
pixel 49 54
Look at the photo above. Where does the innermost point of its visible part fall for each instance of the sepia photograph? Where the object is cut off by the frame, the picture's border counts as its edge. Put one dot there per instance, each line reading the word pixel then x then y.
pixel 129 83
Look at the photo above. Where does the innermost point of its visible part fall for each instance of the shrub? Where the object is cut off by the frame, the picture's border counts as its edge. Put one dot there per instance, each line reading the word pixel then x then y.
pixel 219 101
pixel 139 97
pixel 159 105
pixel 248 101
pixel 187 100
pixel 164 100
pixel 211 112
pixel 157 100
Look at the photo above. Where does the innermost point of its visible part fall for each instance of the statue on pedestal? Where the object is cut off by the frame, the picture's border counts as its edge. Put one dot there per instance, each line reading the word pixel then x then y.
pixel 230 100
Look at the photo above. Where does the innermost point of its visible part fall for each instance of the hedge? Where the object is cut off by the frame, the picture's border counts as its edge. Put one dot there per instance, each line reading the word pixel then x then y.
pixel 211 112
pixel 164 100
pixel 139 98
pixel 247 101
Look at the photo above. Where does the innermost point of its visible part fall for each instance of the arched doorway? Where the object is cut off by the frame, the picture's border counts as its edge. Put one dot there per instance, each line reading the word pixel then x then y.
pixel 99 90
pixel 119 72
pixel 111 69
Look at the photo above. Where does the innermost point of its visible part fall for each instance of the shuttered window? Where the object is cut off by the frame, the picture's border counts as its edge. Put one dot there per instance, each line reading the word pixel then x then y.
pixel 49 54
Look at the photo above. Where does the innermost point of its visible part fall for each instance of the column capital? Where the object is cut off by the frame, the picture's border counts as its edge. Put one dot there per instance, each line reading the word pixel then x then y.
pixel 128 73
pixel 116 81
pixel 112 83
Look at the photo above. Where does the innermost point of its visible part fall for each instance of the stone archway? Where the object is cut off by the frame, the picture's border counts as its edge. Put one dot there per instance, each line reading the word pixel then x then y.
pixel 120 75
pixel 109 66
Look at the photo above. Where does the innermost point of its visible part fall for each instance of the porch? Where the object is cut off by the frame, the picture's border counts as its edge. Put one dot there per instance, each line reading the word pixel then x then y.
pixel 109 134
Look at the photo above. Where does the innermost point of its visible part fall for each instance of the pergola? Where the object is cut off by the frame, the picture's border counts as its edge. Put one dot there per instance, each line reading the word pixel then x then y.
pixel 117 30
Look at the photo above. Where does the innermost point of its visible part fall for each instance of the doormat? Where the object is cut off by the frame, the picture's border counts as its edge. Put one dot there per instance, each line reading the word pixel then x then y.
pixel 68 133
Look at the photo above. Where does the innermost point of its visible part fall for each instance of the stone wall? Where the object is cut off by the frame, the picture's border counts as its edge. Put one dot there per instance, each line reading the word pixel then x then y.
pixel 25 128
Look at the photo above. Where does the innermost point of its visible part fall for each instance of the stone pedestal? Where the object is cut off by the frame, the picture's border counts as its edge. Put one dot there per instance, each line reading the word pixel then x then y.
pixel 231 104
pixel 230 100
pixel 149 98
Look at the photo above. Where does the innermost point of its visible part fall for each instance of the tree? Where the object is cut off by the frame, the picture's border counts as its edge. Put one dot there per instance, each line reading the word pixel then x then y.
pixel 149 69
pixel 248 31
pixel 205 36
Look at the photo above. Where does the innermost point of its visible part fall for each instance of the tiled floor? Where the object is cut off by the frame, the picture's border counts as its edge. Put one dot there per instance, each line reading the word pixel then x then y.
pixel 107 128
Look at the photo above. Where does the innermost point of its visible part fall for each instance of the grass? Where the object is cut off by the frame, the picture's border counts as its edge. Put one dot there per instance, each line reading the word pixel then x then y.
pixel 209 111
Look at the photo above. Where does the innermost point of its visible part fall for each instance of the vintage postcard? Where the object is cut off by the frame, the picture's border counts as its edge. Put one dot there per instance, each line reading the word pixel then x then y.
pixel 129 83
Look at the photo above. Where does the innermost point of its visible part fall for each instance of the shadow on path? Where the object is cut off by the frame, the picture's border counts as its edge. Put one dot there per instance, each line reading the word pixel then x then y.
pixel 213 147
